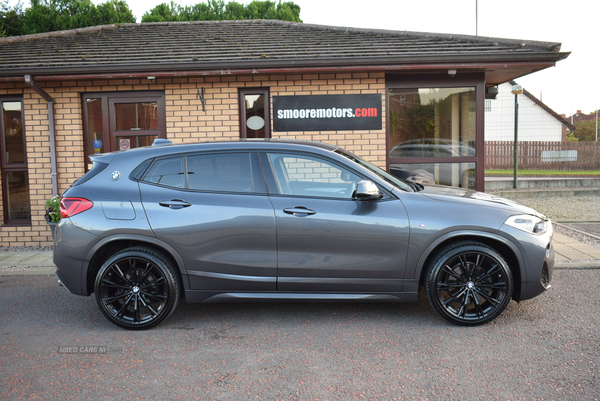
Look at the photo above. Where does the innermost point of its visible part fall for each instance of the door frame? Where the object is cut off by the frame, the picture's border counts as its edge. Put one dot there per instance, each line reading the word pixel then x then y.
pixel 109 132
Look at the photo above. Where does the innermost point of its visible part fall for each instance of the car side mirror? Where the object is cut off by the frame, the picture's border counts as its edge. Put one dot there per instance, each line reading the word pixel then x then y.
pixel 366 190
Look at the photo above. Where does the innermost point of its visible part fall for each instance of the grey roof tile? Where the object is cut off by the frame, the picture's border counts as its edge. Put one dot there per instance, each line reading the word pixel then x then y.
pixel 248 44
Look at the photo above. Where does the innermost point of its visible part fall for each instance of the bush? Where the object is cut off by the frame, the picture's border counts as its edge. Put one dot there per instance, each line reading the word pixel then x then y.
pixel 53 210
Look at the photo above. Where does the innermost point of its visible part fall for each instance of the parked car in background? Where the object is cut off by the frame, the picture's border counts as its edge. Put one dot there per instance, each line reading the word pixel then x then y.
pixel 428 173
pixel 288 221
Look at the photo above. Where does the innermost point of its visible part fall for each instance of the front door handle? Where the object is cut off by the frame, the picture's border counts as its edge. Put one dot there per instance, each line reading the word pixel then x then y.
pixel 175 203
pixel 299 211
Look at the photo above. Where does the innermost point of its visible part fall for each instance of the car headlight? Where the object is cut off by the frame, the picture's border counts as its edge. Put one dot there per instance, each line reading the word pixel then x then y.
pixel 530 224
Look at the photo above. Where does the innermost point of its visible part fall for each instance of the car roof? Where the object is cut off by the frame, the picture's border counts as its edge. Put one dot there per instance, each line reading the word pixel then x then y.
pixel 163 147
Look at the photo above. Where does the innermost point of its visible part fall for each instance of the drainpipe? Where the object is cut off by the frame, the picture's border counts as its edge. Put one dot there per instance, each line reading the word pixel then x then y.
pixel 48 98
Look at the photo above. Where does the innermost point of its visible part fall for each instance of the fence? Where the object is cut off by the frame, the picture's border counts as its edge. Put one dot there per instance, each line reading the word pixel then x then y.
pixel 532 155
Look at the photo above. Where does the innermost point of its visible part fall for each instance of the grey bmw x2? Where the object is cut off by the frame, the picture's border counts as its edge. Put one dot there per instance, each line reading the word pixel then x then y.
pixel 288 221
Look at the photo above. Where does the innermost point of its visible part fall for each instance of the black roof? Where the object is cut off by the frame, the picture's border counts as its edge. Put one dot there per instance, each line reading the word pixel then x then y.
pixel 202 45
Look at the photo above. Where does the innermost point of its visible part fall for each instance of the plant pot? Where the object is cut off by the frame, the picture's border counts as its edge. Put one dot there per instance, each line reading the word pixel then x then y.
pixel 52 228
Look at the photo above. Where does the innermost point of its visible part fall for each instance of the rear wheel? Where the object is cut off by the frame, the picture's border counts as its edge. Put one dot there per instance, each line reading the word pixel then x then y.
pixel 137 288
pixel 469 283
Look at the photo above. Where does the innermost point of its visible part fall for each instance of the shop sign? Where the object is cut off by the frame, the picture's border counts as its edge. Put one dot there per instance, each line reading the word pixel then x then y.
pixel 327 112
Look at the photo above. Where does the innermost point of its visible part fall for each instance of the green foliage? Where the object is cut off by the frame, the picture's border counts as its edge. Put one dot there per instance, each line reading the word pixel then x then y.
pixel 541 173
pixel 217 10
pixel 58 15
pixel 585 131
pixel 53 210
pixel 10 19
pixel 571 137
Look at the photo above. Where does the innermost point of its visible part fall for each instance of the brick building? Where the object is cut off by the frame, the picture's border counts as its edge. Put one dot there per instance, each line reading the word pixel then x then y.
pixel 66 95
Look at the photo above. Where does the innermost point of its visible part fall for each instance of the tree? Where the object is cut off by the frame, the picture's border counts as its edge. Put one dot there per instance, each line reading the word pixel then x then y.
pixel 585 131
pixel 218 10
pixel 58 15
pixel 114 12
pixel 163 13
pixel 10 19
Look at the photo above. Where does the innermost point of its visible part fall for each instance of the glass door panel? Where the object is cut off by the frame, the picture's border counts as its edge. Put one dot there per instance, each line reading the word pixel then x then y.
pixel 136 116
pixel 130 142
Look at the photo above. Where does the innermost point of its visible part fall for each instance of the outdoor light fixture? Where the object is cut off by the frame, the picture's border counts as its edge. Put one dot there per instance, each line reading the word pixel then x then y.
pixel 517 89
pixel 491 92
pixel 151 79
pixel 452 72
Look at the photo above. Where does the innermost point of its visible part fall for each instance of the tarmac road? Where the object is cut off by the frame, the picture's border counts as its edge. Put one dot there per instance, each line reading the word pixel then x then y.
pixel 547 348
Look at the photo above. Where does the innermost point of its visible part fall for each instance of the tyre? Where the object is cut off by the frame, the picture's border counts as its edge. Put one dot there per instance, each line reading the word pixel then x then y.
pixel 469 283
pixel 137 288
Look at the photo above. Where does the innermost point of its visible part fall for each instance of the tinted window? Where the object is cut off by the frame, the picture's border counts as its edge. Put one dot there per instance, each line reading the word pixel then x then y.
pixel 170 172
pixel 311 176
pixel 220 172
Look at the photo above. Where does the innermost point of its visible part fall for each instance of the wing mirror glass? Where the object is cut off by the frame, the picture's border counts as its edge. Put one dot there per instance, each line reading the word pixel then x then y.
pixel 367 190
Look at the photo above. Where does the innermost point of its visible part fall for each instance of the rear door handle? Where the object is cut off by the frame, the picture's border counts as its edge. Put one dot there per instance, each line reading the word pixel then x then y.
pixel 299 211
pixel 175 203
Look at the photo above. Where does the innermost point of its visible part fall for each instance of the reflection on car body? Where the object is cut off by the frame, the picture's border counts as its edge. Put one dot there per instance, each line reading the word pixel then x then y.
pixel 285 220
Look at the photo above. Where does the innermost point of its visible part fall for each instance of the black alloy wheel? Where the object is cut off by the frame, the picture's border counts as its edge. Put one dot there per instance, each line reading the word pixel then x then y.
pixel 137 288
pixel 469 283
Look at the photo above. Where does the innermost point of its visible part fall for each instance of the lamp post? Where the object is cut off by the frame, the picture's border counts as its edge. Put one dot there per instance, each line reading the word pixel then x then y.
pixel 516 90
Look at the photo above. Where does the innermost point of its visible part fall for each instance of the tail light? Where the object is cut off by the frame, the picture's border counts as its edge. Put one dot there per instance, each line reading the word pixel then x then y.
pixel 71 206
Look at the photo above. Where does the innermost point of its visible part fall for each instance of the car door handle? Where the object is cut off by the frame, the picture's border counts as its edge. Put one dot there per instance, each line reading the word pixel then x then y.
pixel 299 211
pixel 175 203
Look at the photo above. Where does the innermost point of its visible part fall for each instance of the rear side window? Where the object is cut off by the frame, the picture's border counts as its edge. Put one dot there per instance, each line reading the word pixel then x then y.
pixel 218 172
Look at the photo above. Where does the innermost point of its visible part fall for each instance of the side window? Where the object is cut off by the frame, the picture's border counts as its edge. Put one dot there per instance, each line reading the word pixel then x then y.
pixel 220 172
pixel 13 164
pixel 169 172
pixel 311 176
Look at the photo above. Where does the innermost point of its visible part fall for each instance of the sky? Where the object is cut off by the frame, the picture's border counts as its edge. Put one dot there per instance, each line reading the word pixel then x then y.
pixel 571 85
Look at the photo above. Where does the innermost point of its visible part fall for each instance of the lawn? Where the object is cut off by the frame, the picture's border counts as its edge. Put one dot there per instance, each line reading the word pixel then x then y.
pixel 543 173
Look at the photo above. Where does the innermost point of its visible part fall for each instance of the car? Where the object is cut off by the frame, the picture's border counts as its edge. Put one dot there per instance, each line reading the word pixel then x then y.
pixel 425 173
pixel 277 220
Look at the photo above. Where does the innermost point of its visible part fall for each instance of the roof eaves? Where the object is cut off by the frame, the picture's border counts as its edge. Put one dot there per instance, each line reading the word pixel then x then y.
pixel 432 59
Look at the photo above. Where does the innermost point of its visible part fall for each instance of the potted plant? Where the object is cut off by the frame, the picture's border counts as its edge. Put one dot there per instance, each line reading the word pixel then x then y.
pixel 53 212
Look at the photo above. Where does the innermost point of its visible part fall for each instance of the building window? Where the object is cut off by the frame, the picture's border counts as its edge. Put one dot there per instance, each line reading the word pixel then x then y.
pixel 255 120
pixel 432 135
pixel 122 120
pixel 15 177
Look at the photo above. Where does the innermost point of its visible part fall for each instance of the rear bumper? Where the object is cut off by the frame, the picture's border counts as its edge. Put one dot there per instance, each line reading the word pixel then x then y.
pixel 71 246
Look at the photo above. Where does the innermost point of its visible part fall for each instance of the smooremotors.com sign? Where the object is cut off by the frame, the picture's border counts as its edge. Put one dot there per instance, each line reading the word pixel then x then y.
pixel 327 112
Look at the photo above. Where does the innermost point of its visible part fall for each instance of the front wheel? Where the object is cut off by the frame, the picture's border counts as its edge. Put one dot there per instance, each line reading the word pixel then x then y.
pixel 469 283
pixel 137 288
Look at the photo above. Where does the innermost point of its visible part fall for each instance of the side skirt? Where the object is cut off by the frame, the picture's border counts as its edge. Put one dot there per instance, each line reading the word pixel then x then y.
pixel 198 296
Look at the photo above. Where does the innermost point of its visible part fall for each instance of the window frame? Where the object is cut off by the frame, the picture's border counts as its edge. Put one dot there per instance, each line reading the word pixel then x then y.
pixel 242 105
pixel 273 184
pixel 12 167
pixel 415 81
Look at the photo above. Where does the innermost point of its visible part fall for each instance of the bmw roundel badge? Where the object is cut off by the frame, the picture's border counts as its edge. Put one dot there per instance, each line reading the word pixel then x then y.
pixel 115 175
